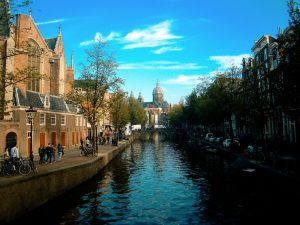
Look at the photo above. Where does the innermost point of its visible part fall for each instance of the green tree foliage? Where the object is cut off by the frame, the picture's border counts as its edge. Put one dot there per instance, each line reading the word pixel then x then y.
pixel 120 110
pixel 137 112
pixel 176 115
pixel 218 100
pixel 289 51
pixel 98 78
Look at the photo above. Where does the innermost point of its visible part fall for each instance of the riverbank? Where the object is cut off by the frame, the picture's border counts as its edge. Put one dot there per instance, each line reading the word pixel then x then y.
pixel 21 194
pixel 243 162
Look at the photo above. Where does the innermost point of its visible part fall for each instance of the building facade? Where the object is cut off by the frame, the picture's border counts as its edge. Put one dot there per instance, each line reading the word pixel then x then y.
pixel 156 110
pixel 34 73
pixel 278 126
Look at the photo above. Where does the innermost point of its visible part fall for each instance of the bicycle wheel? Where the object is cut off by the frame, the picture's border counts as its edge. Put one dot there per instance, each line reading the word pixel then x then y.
pixel 7 170
pixel 24 169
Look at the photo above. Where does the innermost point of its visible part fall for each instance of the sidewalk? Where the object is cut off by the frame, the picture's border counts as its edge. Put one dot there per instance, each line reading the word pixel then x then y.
pixel 71 157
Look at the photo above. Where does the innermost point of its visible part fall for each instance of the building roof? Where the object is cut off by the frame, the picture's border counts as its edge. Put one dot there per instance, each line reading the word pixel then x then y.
pixel 156 105
pixel 51 42
pixel 36 100
pixel 158 89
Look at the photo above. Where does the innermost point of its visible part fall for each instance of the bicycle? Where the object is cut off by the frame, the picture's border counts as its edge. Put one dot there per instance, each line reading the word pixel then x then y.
pixel 27 166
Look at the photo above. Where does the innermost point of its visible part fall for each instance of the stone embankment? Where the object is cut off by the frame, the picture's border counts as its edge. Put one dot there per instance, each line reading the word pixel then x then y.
pixel 21 194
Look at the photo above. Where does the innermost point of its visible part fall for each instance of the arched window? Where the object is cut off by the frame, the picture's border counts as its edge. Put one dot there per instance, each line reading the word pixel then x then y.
pixel 34 60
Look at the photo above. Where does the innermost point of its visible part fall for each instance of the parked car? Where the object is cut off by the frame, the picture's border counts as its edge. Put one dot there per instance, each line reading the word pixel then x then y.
pixel 208 136
pixel 212 139
pixel 219 140
pixel 227 143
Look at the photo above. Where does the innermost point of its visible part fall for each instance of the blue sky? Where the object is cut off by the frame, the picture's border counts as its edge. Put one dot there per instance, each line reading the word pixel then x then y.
pixel 171 41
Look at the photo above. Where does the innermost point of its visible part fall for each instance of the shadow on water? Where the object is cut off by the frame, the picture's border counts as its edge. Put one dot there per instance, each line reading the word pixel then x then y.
pixel 159 182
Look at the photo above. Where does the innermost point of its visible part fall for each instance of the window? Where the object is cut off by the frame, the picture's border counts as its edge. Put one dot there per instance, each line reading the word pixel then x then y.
pixel 265 54
pixel 34 60
pixel 47 102
pixel 28 119
pixel 53 119
pixel 63 120
pixel 42 119
pixel 77 120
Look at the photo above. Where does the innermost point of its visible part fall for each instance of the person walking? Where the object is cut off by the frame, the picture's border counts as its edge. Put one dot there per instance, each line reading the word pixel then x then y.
pixel 42 154
pixel 60 150
pixel 53 151
pixel 48 152
pixel 87 142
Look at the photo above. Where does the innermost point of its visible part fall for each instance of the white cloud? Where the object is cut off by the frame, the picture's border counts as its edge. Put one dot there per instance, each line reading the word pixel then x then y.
pixel 51 21
pixel 226 62
pixel 158 35
pixel 166 49
pixel 183 80
pixel 159 65
pixel 189 80
pixel 153 36
pixel 99 37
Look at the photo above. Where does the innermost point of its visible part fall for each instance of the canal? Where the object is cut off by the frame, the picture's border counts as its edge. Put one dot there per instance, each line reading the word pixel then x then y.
pixel 162 182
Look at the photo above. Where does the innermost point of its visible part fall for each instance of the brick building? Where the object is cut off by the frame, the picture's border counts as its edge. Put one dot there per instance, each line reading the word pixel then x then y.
pixel 22 48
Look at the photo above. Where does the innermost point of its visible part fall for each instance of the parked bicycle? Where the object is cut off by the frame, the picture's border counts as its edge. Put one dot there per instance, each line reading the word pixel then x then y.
pixel 27 167
pixel 21 166
pixel 255 152
pixel 86 151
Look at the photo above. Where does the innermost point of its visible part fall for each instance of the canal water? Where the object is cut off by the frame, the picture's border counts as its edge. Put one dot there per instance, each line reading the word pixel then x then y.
pixel 162 182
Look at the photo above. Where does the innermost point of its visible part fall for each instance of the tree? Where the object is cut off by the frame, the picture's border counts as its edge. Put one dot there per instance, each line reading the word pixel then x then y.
pixel 176 115
pixel 289 66
pixel 137 112
pixel 218 101
pixel 120 110
pixel 97 78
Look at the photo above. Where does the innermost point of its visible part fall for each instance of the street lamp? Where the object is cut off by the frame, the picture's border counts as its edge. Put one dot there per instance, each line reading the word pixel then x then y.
pixel 29 113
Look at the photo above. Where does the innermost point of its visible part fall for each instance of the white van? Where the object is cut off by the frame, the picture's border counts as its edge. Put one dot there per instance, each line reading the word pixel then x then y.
pixel 136 127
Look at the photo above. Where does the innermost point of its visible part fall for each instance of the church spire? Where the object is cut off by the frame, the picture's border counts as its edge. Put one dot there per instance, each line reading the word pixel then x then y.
pixel 72 60
pixel 59 31
pixel 131 94
pixel 140 98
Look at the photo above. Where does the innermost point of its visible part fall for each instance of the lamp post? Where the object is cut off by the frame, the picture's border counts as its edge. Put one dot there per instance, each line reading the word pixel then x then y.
pixel 29 113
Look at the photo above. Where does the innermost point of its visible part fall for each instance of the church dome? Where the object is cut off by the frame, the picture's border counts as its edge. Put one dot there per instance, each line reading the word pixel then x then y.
pixel 158 90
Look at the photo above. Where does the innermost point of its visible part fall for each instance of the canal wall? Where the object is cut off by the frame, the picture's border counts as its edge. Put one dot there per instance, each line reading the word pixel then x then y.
pixel 29 192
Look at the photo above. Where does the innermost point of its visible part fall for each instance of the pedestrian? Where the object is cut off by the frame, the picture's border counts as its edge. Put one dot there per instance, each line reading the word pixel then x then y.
pixel 107 135
pixel 87 142
pixel 6 153
pixel 48 152
pixel 60 150
pixel 42 154
pixel 81 142
pixel 14 153
pixel 53 151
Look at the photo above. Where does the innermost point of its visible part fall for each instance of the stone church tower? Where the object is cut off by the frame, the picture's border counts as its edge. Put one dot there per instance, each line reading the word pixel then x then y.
pixel 158 94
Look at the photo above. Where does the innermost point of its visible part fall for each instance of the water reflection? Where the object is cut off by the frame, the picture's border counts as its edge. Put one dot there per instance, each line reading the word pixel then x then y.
pixel 157 182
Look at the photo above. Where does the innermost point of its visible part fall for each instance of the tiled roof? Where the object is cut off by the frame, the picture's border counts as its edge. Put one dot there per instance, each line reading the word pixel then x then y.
pixel 57 104
pixel 51 42
pixel 28 99
pixel 36 100
pixel 72 108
